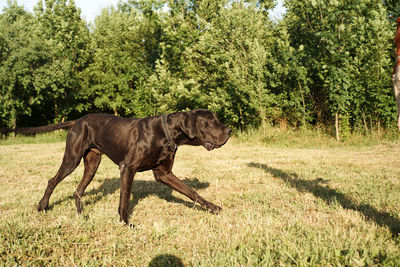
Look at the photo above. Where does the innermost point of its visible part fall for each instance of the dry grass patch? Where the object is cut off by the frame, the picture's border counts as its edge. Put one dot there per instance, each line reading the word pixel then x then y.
pixel 331 206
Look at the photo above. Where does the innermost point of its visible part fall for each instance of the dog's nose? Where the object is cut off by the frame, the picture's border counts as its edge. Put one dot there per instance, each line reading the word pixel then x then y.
pixel 229 131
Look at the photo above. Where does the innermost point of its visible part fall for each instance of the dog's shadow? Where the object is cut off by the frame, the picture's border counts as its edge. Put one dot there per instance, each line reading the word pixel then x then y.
pixel 320 190
pixel 140 190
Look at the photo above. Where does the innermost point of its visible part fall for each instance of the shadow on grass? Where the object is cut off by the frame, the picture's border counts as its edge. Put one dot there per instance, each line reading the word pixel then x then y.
pixel 166 260
pixel 330 195
pixel 140 190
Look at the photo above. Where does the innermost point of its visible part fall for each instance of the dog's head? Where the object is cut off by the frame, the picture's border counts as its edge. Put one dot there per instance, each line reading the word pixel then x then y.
pixel 203 128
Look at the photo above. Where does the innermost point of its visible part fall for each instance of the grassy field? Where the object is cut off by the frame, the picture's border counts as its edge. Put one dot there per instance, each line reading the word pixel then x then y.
pixel 333 205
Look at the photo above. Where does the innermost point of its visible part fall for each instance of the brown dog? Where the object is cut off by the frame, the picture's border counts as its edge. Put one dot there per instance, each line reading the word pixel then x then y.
pixel 135 145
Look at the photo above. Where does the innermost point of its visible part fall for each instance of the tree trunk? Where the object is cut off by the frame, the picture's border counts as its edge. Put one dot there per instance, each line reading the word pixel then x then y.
pixel 14 127
pixel 365 122
pixel 55 109
pixel 379 128
pixel 337 126
pixel 262 114
pixel 304 105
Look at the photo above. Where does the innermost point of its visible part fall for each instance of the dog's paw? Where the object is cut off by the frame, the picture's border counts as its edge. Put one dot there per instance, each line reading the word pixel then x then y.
pixel 41 206
pixel 213 208
pixel 78 203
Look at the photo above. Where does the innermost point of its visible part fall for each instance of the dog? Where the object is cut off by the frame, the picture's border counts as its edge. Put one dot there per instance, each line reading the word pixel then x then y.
pixel 135 145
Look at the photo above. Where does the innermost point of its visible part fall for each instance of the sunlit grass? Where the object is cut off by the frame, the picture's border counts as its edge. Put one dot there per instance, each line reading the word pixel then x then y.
pixel 44 138
pixel 315 137
pixel 326 205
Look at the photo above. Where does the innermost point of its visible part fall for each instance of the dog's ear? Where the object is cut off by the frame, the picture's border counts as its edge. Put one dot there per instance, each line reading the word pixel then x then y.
pixel 188 124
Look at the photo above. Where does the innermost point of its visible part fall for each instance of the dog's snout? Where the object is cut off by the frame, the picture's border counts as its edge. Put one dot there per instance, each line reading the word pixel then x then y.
pixel 228 131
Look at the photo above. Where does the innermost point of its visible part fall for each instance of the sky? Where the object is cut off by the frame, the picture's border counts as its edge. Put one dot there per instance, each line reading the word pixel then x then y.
pixel 91 8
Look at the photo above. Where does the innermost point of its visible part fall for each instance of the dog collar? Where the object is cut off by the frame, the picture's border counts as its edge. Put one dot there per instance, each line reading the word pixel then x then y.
pixel 170 143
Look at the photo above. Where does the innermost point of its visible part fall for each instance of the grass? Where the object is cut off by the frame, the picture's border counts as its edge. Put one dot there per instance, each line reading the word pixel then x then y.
pixel 282 205
pixel 45 138
pixel 315 137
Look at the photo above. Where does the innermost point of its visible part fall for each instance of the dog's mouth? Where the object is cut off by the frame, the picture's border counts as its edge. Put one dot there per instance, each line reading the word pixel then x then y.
pixel 210 146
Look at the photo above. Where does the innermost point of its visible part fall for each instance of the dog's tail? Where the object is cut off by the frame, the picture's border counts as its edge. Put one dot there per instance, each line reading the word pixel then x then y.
pixel 44 129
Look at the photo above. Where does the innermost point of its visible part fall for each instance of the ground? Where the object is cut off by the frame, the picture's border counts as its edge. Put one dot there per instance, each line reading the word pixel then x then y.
pixel 281 205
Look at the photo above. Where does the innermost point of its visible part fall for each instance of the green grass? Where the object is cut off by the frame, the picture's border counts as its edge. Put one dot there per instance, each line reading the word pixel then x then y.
pixel 315 137
pixel 45 138
pixel 305 204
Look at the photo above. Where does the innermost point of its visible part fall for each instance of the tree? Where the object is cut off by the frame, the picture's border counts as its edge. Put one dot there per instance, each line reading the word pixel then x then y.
pixel 219 60
pixel 326 63
pixel 121 62
pixel 69 39
pixel 22 56
pixel 393 9
pixel 288 80
pixel 345 45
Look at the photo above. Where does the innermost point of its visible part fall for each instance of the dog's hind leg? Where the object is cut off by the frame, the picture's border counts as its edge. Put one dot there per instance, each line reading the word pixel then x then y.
pixel 92 160
pixel 73 153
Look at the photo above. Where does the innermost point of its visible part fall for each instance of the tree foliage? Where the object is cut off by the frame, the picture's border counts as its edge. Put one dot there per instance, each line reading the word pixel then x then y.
pixel 347 48
pixel 120 64
pixel 323 60
pixel 60 25
pixel 23 57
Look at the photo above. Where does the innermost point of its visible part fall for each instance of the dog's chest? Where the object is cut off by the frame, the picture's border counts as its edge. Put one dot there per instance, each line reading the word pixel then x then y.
pixel 153 159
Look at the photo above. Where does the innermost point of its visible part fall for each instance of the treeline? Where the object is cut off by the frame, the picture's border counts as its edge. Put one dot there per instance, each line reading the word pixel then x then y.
pixel 325 63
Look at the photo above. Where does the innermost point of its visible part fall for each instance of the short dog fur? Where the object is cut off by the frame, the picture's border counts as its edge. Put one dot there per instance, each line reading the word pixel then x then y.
pixel 135 145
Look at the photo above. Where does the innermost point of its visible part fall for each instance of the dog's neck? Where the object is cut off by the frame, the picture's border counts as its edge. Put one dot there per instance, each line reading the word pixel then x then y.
pixel 176 133
pixel 171 145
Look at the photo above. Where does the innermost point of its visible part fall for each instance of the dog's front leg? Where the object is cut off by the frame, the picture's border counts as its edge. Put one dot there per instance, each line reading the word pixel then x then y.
pixel 169 179
pixel 127 174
